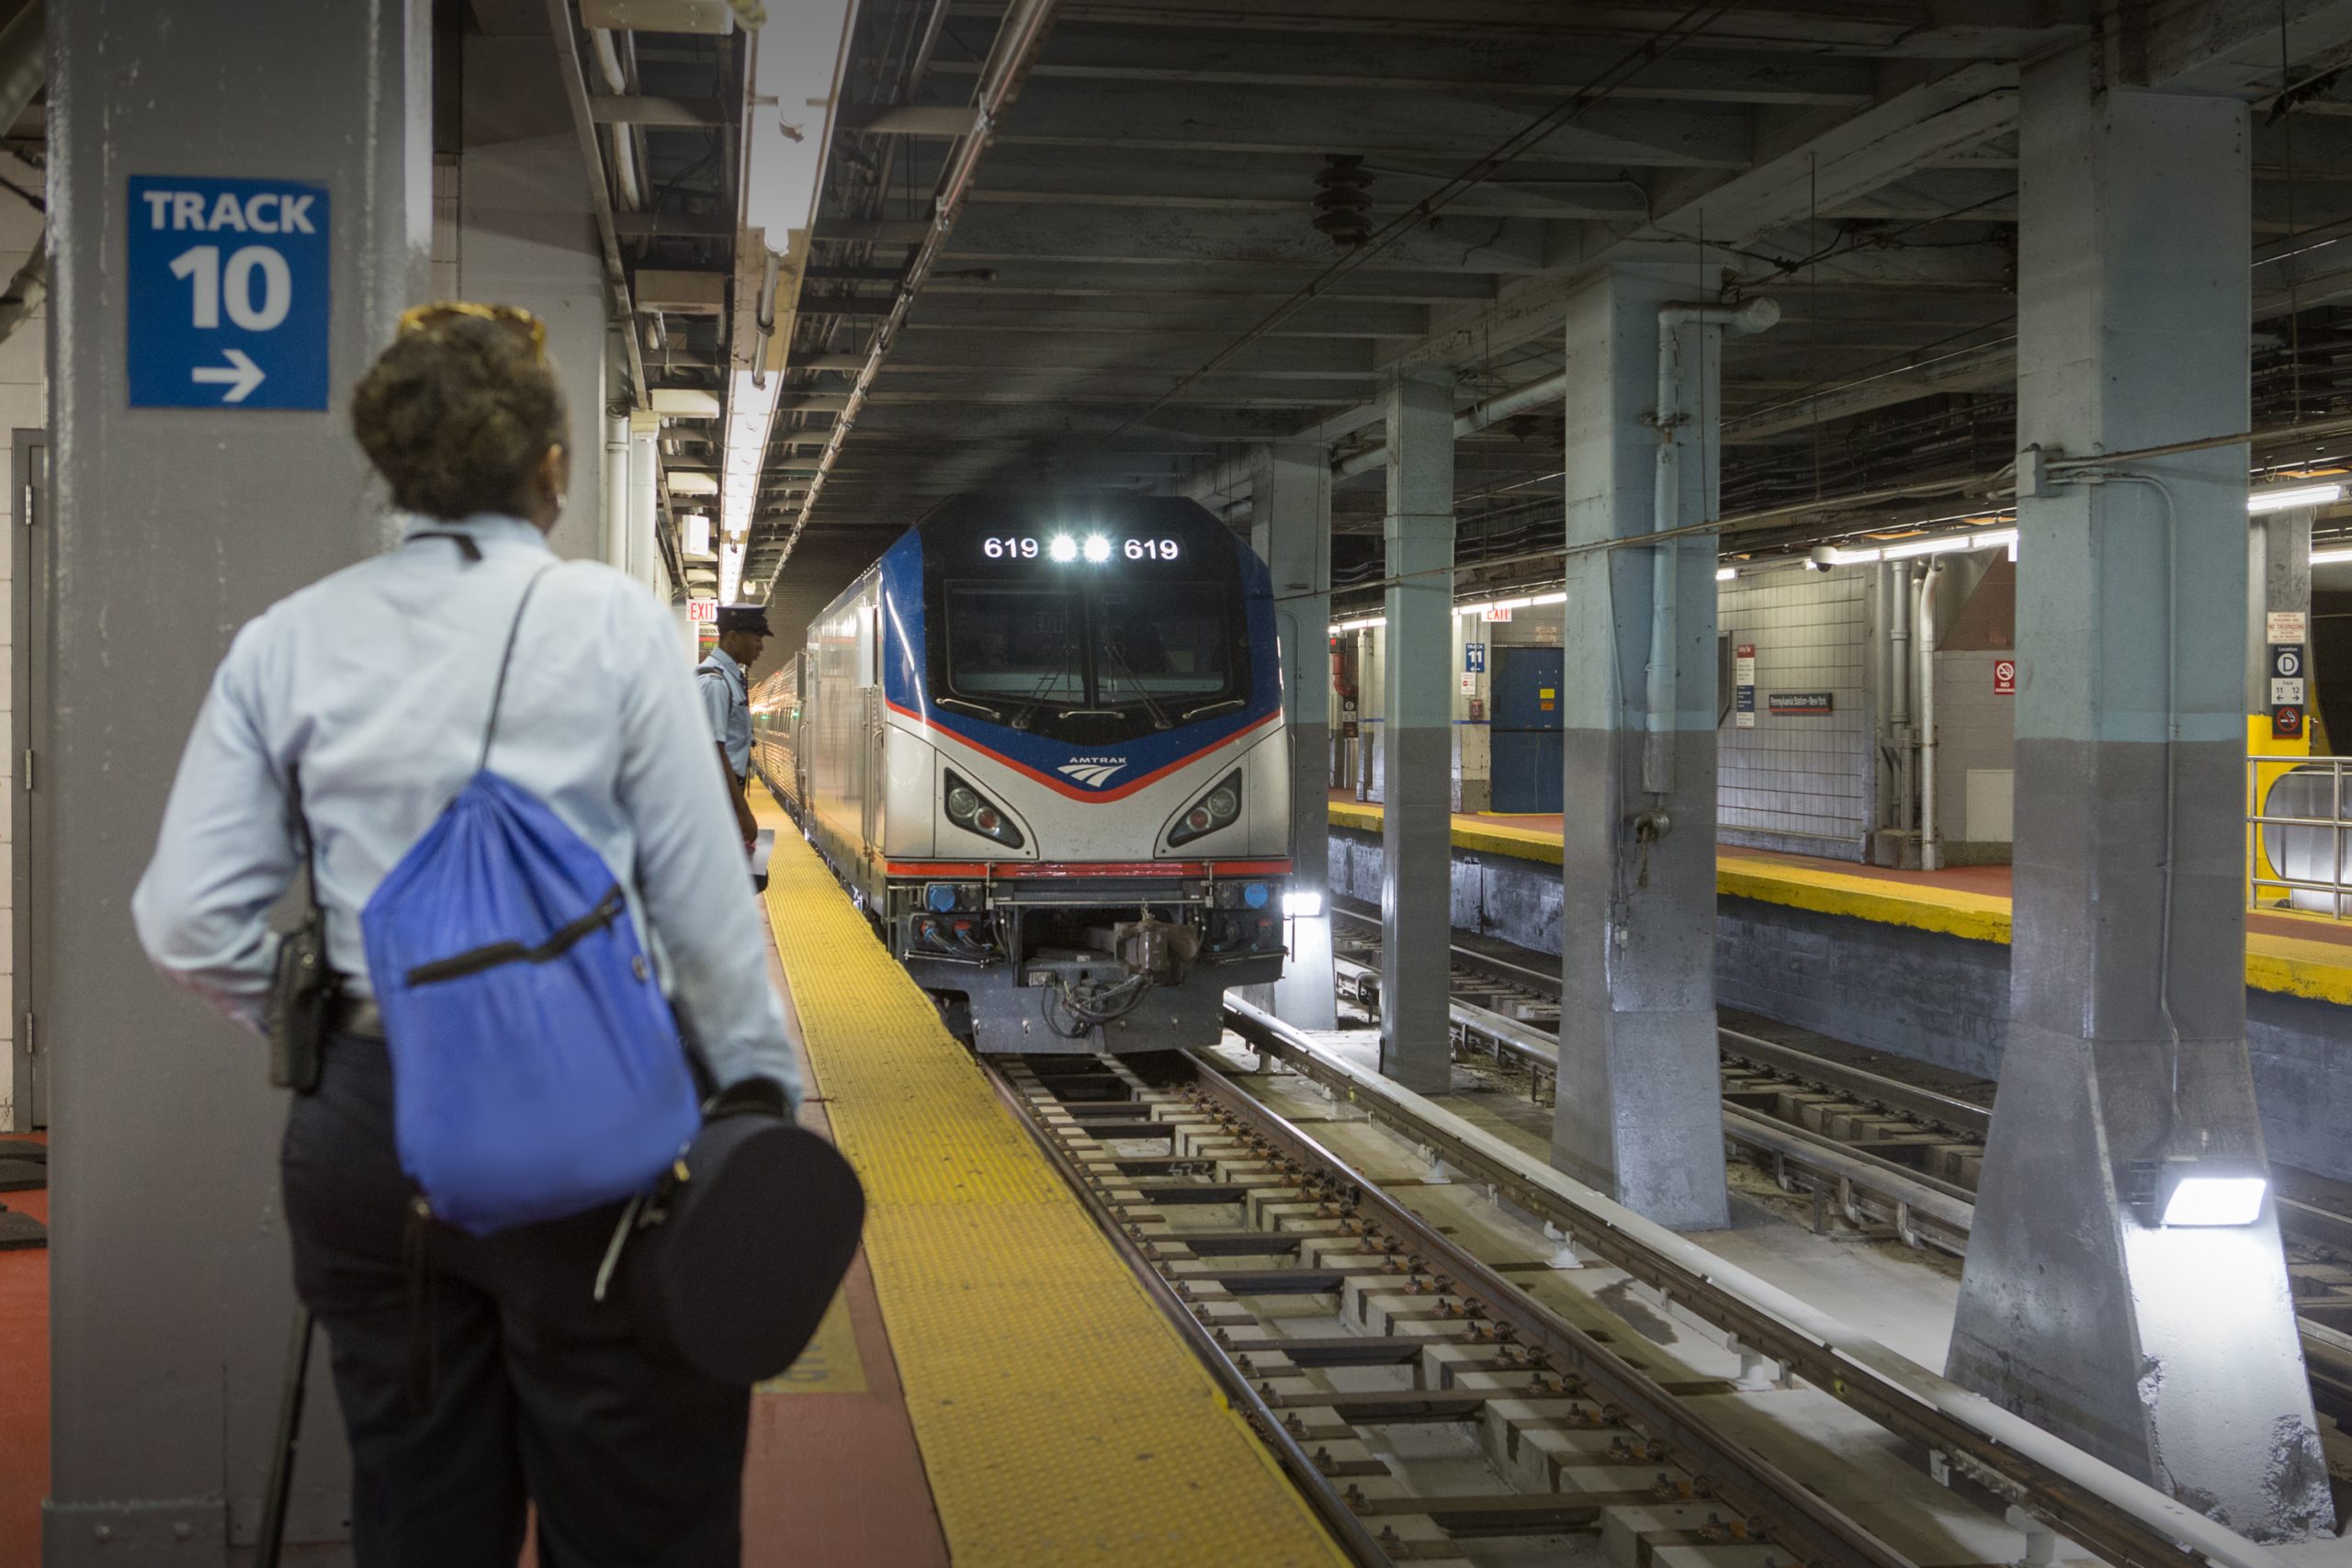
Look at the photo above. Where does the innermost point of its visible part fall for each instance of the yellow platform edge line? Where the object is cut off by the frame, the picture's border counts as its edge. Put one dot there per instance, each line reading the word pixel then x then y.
pixel 2289 966
pixel 1020 1467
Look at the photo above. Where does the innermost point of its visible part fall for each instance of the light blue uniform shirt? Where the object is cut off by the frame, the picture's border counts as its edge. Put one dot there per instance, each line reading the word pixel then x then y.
pixel 376 683
pixel 727 705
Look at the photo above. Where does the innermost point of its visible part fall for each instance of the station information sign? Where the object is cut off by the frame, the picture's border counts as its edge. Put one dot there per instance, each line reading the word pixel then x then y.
pixel 228 293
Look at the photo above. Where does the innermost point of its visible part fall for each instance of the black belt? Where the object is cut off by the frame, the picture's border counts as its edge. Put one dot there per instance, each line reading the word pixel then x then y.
pixel 358 1016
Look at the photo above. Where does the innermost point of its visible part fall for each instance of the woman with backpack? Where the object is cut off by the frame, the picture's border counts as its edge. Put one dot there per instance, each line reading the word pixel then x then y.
pixel 495 768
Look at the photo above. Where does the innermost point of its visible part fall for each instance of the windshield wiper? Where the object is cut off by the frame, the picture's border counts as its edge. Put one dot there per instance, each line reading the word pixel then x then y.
pixel 977 707
pixel 1159 719
pixel 1191 714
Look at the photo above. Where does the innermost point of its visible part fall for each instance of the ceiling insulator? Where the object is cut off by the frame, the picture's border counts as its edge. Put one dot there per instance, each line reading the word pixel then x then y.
pixel 1343 199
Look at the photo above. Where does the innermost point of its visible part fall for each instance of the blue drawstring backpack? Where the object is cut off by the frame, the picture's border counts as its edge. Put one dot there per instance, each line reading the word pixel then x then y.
pixel 536 1069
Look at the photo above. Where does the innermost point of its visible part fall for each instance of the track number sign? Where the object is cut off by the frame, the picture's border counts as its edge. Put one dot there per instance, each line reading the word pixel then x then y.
pixel 228 293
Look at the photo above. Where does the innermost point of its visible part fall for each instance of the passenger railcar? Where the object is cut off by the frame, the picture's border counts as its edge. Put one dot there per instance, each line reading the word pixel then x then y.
pixel 775 724
pixel 1043 746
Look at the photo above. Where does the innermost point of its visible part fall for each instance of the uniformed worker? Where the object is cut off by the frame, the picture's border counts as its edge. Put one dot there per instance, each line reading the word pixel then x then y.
pixel 494 1377
pixel 724 679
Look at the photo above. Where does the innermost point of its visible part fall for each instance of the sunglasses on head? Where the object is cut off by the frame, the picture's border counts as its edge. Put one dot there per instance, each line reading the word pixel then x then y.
pixel 422 318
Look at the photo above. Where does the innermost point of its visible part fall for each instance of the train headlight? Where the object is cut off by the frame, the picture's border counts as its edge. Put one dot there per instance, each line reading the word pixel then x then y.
pixel 975 812
pixel 1063 548
pixel 1220 808
pixel 1098 548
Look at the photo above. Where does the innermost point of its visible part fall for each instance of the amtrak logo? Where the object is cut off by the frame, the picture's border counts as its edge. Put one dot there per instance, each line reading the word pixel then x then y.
pixel 1093 772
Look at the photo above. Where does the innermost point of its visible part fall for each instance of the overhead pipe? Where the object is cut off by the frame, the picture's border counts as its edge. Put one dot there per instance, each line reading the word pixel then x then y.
pixel 608 66
pixel 1018 39
pixel 1660 694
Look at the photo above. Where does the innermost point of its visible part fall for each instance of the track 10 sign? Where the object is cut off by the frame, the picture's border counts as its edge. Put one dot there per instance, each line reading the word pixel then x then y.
pixel 228 293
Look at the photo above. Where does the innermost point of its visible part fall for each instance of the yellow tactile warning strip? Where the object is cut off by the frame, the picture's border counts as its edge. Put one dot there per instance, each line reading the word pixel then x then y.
pixel 2314 969
pixel 1061 1418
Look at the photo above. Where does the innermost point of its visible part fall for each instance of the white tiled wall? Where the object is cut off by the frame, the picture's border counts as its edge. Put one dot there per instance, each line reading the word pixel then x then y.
pixel 1795 779
pixel 1975 729
pixel 24 405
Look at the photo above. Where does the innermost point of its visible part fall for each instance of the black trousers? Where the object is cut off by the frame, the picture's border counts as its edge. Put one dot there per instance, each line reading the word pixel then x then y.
pixel 529 1390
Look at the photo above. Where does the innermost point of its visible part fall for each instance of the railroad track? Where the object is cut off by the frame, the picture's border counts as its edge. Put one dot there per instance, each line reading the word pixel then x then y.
pixel 1869 1152
pixel 1396 1358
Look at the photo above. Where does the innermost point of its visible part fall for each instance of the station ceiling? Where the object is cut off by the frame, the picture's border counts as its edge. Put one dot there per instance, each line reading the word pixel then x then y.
pixel 1203 223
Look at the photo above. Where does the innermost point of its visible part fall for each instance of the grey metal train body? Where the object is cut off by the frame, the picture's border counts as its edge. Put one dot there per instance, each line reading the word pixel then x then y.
pixel 1043 746
pixel 775 723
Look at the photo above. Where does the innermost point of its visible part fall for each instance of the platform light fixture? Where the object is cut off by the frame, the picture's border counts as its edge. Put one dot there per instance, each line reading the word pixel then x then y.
pixel 1543 599
pixel 698 533
pixel 750 411
pixel 2259 502
pixel 1367 624
pixel 1726 573
pixel 1302 906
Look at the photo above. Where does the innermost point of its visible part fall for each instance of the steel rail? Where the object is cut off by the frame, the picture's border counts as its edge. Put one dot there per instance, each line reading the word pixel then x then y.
pixel 2123 1519
pixel 1297 1464
pixel 1798 1517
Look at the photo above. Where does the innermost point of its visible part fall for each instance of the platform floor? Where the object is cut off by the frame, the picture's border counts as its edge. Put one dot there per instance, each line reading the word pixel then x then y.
pixel 2300 954
pixel 1060 1417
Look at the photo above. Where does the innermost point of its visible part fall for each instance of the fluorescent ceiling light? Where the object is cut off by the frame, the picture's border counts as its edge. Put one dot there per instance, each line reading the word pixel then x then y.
pixel 1725 573
pixel 2259 501
pixel 1549 599
pixel 1509 604
pixel 2331 557
pixel 1367 624
pixel 1984 539
pixel 688 483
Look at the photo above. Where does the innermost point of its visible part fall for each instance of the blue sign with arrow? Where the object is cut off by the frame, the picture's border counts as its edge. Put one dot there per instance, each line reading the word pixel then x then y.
pixel 229 293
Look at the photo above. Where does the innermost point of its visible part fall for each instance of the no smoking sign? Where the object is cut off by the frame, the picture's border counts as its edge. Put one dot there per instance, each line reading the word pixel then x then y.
pixel 2004 677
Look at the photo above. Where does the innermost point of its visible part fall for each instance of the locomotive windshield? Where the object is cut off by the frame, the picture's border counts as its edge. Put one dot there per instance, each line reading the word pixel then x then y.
pixel 1094 665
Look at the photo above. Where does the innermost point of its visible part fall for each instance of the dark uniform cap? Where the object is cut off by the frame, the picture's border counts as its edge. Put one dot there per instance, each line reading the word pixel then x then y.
pixel 744 618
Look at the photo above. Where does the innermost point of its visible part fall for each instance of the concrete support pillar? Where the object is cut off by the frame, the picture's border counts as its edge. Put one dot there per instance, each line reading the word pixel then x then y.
pixel 1417 737
pixel 2279 580
pixel 2170 1351
pixel 1291 529
pixel 1640 1112
pixel 527 235
pixel 170 1295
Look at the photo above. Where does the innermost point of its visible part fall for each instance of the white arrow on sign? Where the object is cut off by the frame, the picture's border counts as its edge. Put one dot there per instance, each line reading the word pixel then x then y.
pixel 240 376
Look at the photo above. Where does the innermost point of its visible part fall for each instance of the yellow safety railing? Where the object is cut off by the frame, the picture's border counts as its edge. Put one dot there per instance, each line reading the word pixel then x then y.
pixel 2298 833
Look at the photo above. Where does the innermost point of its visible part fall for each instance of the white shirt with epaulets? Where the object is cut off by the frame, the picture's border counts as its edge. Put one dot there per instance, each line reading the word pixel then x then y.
pixel 375 684
pixel 727 705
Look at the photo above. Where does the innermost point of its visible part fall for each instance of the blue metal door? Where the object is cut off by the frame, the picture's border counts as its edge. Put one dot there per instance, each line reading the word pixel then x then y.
pixel 1526 730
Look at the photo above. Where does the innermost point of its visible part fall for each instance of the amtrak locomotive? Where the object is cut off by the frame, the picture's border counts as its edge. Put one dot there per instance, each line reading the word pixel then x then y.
pixel 1043 744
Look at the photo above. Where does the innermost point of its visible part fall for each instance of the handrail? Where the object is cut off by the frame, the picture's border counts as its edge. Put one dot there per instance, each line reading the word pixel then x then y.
pixel 2264 854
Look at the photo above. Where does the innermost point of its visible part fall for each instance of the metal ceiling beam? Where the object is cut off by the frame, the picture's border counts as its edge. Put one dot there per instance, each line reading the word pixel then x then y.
pixel 992 234
pixel 1176 118
pixel 947 121
pixel 2233 48
pixel 1436 61
pixel 1912 29
pixel 676 113
pixel 1906 133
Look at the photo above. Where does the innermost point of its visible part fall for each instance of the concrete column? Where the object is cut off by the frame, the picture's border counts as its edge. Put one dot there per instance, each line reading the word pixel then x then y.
pixel 2279 577
pixel 170 1296
pixel 527 235
pixel 1417 737
pixel 2170 1351
pixel 1640 1110
pixel 1291 529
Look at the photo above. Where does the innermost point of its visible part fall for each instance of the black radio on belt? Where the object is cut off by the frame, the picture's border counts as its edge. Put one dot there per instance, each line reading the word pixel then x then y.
pixel 304 992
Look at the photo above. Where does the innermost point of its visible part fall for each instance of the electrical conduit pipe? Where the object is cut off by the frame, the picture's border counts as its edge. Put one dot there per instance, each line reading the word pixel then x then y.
pixel 1931 856
pixel 1660 695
